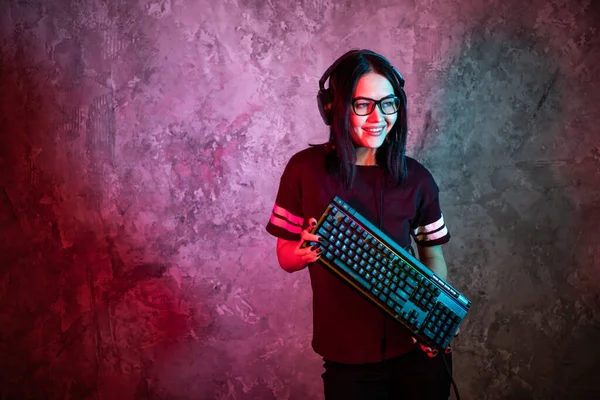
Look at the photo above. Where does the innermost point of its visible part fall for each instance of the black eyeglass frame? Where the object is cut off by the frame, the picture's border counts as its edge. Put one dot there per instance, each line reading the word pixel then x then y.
pixel 377 103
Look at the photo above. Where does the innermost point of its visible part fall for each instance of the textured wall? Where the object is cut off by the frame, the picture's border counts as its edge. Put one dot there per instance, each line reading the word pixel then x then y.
pixel 141 144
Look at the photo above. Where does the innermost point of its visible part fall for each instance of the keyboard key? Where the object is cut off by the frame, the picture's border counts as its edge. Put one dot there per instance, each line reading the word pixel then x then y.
pixel 410 281
pixel 353 274
pixel 402 294
pixel 397 299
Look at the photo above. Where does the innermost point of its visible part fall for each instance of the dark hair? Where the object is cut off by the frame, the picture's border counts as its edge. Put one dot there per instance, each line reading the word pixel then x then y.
pixel 342 83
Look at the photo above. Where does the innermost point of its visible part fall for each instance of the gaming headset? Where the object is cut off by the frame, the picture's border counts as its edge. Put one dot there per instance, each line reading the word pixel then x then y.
pixel 325 96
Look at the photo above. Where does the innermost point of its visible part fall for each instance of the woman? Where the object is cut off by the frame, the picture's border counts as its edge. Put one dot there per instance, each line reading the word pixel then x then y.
pixel 366 354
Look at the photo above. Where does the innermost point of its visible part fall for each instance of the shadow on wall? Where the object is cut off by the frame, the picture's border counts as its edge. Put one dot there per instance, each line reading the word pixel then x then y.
pixel 503 173
pixel 84 313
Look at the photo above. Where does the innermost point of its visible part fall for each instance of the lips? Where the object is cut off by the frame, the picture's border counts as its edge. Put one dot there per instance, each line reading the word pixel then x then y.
pixel 375 131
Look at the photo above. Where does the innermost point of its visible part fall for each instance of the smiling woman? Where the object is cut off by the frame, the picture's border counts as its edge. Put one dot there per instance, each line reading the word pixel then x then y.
pixel 366 355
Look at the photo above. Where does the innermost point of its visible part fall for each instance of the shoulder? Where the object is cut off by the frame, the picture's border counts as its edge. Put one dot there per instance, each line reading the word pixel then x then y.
pixel 310 154
pixel 418 174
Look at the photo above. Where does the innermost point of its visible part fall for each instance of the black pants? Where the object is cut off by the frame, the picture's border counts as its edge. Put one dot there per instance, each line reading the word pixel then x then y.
pixel 412 376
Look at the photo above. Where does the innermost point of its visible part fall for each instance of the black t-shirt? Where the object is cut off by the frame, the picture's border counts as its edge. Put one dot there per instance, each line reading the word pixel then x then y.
pixel 347 328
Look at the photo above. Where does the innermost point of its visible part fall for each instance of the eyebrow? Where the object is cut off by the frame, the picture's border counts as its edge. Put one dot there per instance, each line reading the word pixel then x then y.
pixel 368 98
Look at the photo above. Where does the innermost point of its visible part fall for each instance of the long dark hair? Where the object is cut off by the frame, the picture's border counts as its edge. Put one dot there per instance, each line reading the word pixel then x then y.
pixel 342 83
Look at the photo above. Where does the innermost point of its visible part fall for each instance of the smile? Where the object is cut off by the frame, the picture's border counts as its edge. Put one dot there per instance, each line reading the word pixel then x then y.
pixel 374 131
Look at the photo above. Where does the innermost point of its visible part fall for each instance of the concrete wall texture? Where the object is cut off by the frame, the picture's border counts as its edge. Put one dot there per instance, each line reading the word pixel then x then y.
pixel 141 144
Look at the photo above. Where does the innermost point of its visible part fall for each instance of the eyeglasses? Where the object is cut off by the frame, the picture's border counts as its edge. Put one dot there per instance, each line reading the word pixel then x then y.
pixel 365 106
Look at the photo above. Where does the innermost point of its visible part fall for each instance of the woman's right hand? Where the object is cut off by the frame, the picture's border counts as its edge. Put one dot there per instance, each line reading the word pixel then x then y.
pixel 292 256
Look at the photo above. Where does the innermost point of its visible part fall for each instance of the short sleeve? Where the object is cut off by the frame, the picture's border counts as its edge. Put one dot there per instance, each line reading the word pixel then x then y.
pixel 428 227
pixel 287 218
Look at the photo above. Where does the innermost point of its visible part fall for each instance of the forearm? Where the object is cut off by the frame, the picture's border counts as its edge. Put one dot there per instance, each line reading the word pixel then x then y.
pixel 437 265
pixel 287 259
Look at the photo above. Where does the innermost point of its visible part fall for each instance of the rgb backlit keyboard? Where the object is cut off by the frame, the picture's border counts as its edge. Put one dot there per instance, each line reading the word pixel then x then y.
pixel 387 275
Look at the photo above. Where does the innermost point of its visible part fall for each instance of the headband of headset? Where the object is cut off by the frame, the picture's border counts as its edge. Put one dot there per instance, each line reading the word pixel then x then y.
pixel 325 97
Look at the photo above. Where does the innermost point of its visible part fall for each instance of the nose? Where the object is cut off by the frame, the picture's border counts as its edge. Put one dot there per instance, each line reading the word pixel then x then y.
pixel 376 115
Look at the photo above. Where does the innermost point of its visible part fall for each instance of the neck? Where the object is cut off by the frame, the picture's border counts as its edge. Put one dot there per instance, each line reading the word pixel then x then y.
pixel 365 156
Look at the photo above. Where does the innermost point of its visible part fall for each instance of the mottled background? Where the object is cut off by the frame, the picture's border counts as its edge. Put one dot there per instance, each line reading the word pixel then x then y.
pixel 141 144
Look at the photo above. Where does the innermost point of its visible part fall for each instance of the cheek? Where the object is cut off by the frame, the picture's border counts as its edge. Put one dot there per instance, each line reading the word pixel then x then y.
pixel 356 121
pixel 391 120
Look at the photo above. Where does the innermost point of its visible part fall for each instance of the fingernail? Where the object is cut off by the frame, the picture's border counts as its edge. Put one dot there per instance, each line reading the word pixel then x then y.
pixel 313 248
pixel 314 223
pixel 319 239
pixel 319 251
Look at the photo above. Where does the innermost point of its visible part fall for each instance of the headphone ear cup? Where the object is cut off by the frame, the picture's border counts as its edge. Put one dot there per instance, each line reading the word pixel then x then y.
pixel 325 103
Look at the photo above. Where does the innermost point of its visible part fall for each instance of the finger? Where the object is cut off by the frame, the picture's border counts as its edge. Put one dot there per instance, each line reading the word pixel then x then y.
pixel 311 250
pixel 311 258
pixel 309 237
pixel 306 234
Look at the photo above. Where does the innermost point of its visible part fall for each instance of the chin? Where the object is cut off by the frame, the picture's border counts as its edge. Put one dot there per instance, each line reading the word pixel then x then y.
pixel 374 143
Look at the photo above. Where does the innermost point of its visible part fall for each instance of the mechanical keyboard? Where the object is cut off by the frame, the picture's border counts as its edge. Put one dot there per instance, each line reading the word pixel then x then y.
pixel 388 276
